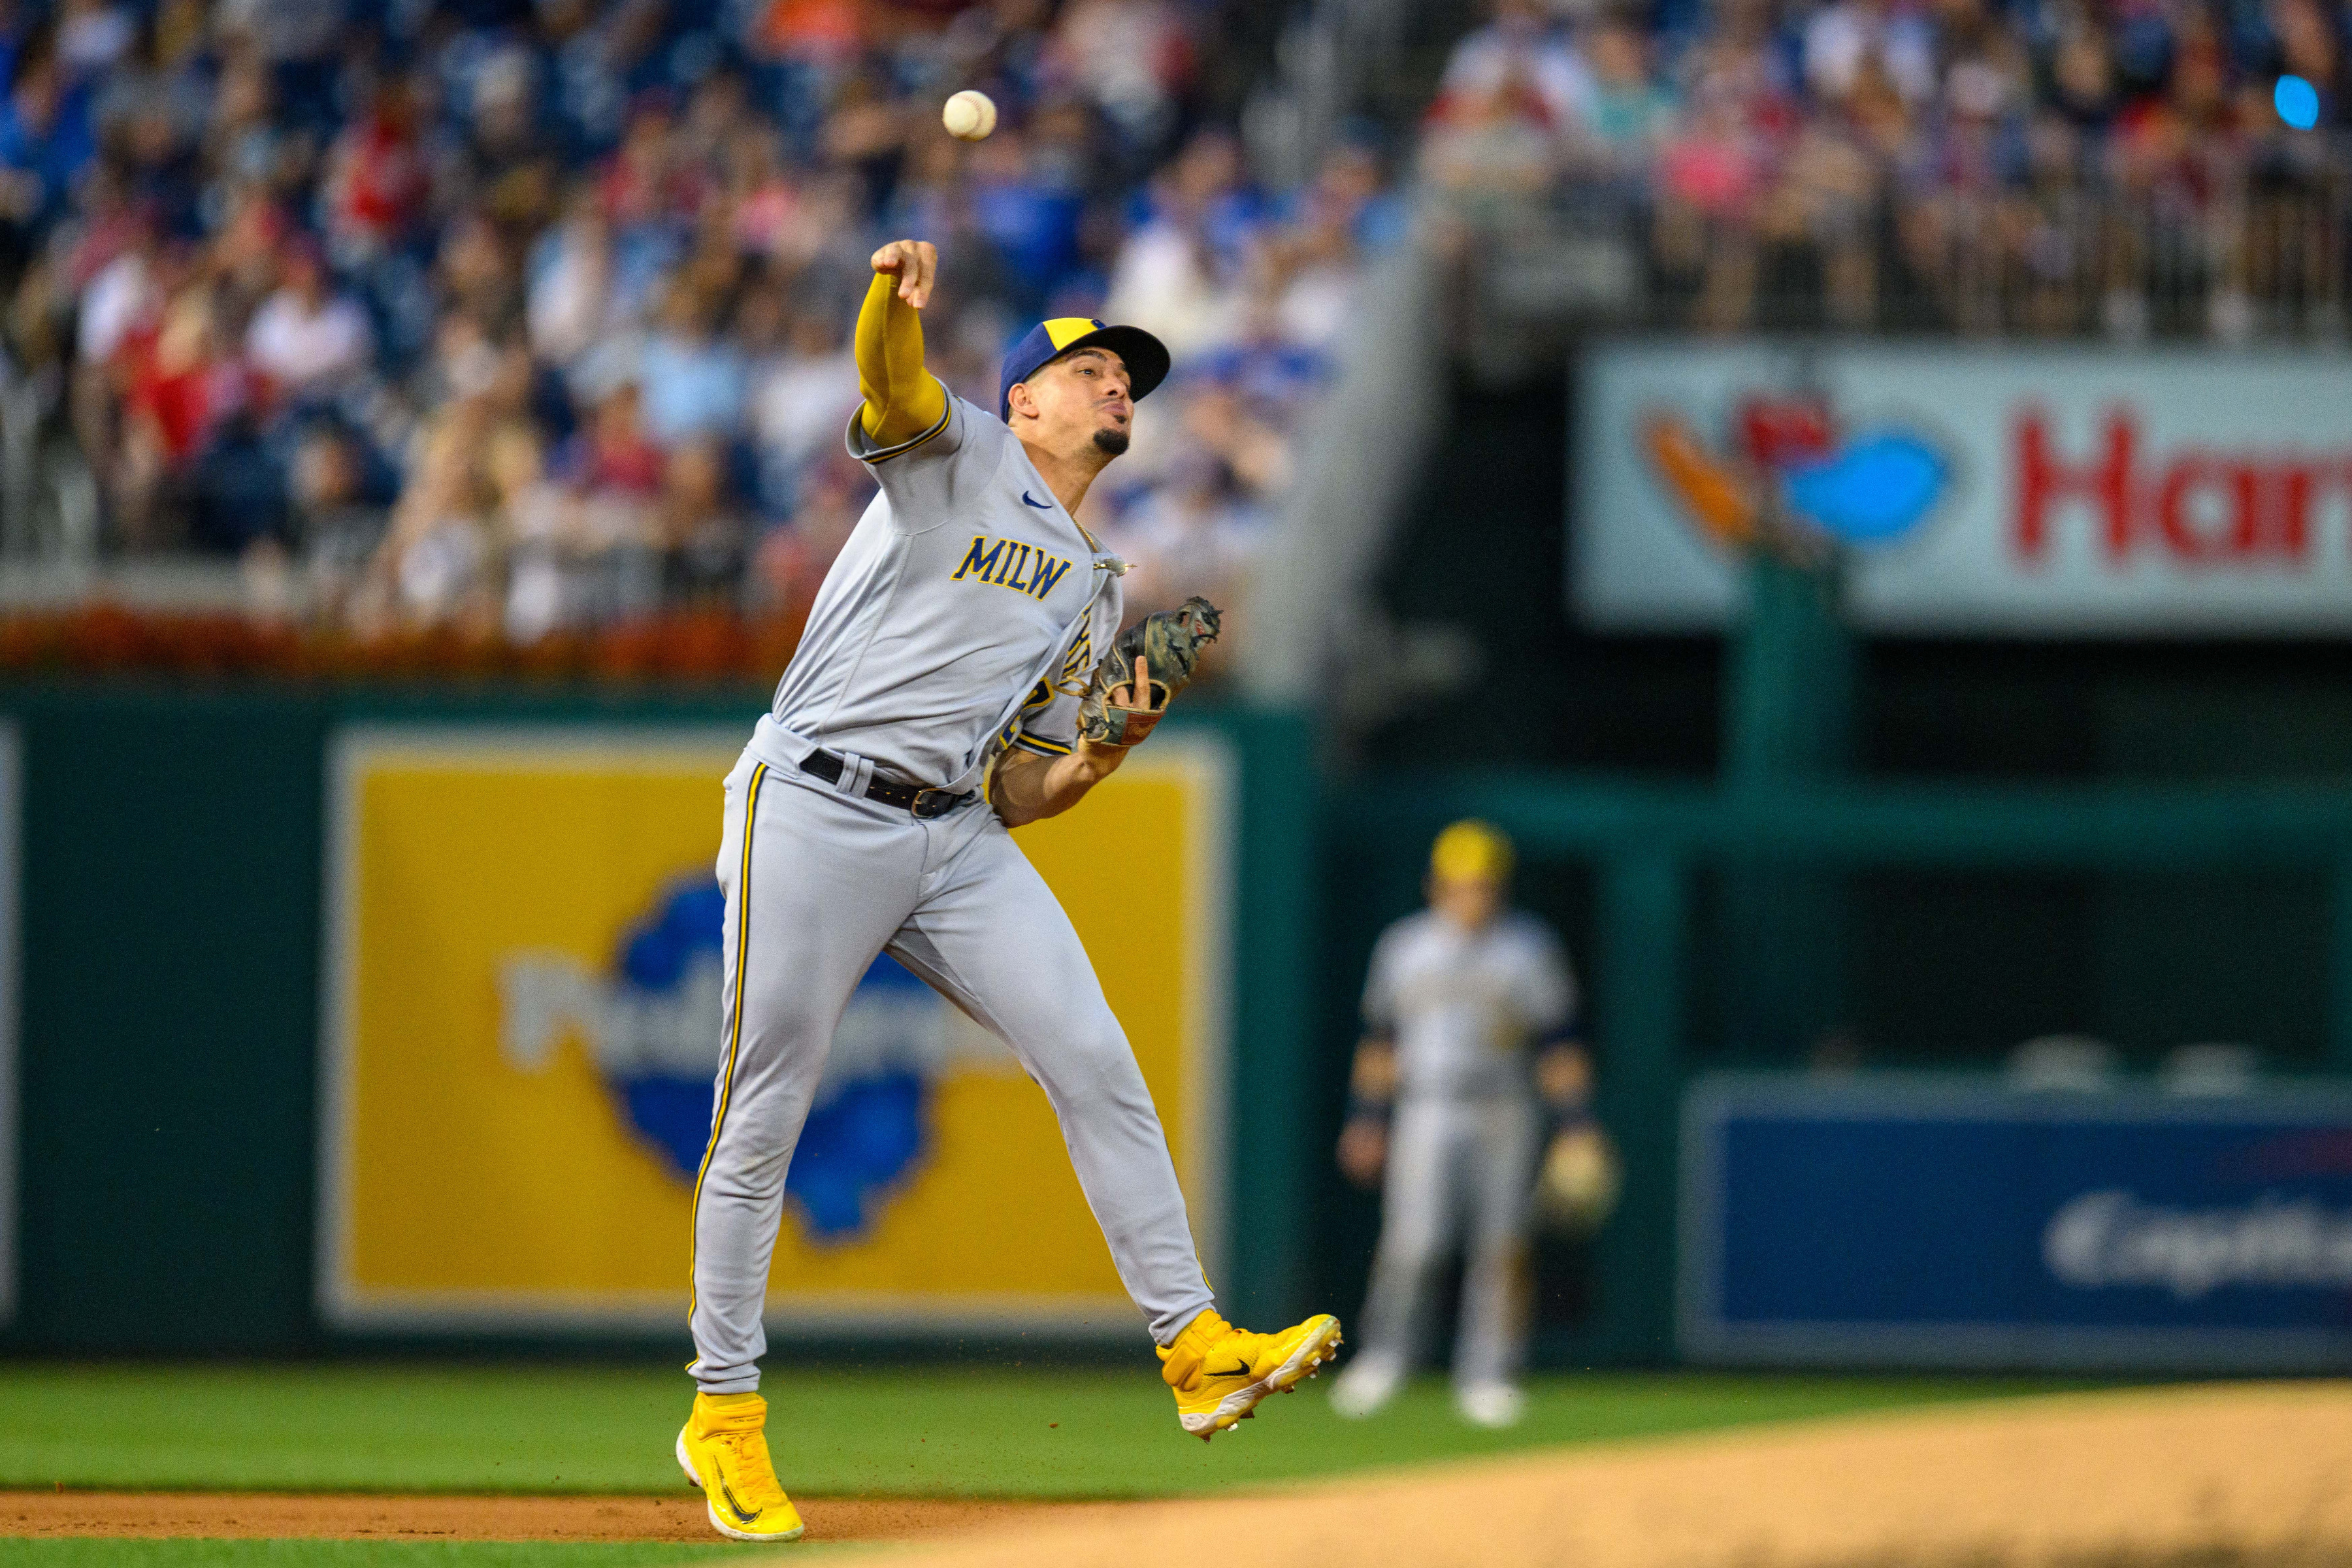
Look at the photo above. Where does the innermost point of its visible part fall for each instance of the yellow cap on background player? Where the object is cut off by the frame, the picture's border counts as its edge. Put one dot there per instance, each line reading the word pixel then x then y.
pixel 1470 851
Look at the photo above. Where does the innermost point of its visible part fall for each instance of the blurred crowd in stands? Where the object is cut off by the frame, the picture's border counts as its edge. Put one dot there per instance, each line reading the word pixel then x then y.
pixel 512 318
pixel 515 319
pixel 2111 166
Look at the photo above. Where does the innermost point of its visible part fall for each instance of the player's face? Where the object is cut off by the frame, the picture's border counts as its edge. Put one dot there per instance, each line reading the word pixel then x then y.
pixel 1081 401
pixel 1469 902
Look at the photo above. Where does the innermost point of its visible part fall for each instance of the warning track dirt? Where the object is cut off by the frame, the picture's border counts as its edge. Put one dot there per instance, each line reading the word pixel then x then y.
pixel 410 1517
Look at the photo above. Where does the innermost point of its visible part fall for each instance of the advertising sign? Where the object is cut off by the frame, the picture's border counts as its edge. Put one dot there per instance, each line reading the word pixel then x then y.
pixel 1904 1223
pixel 524 1024
pixel 2059 491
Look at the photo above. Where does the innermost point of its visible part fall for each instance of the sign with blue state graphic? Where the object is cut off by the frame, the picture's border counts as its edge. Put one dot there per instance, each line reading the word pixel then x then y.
pixel 523 1026
pixel 1969 489
pixel 1894 1221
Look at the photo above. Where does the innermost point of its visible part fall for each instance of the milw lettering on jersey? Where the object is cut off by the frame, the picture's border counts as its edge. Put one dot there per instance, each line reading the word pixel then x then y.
pixel 1010 563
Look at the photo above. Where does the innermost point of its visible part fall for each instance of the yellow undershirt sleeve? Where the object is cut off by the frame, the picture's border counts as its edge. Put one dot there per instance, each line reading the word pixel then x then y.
pixel 902 398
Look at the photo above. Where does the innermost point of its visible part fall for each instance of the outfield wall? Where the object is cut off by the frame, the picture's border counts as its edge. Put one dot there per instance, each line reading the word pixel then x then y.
pixel 180 1168
pixel 183 1174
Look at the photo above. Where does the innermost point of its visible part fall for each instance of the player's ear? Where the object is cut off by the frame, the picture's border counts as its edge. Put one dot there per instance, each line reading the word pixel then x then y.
pixel 1019 401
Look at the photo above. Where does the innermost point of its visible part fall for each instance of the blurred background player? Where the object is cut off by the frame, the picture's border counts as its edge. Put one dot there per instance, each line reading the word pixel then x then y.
pixel 1469 1055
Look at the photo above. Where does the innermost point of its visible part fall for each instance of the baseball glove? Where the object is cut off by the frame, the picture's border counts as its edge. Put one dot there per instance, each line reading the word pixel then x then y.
pixel 1577 1186
pixel 1168 642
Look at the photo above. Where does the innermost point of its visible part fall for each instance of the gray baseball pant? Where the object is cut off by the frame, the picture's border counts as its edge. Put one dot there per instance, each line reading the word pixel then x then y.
pixel 1455 1166
pixel 817 882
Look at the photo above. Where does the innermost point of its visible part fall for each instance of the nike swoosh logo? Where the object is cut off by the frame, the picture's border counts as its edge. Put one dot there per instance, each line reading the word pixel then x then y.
pixel 1041 506
pixel 746 1514
pixel 1242 1370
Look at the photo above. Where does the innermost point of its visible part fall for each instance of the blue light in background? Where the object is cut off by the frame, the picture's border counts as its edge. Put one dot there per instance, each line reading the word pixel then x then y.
pixel 2298 102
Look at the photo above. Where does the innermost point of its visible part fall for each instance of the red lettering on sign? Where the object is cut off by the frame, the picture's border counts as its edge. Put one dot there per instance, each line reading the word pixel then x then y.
pixel 2235 490
pixel 2198 507
pixel 2042 481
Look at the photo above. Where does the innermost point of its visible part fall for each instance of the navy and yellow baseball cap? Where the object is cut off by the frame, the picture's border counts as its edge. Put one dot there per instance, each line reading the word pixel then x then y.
pixel 1146 357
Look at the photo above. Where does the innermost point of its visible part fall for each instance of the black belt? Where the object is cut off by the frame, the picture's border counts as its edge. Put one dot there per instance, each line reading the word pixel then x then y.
pixel 921 799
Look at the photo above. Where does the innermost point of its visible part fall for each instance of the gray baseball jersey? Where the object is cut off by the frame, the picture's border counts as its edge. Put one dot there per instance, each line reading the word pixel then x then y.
pixel 1462 1008
pixel 965 583
pixel 962 617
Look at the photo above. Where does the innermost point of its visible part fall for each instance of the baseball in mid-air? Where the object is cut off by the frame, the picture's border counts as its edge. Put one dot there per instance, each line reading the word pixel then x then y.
pixel 969 115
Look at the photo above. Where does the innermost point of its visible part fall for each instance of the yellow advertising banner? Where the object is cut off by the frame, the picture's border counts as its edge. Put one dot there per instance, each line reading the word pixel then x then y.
pixel 523 1024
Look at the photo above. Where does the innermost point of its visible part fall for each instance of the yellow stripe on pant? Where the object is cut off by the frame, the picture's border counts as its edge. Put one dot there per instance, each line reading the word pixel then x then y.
pixel 734 1018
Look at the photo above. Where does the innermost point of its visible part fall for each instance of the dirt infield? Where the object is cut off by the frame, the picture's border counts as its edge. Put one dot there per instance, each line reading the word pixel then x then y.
pixel 282 1515
pixel 2213 1475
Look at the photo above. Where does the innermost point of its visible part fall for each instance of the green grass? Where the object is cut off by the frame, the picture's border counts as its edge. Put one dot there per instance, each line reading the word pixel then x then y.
pixel 899 1431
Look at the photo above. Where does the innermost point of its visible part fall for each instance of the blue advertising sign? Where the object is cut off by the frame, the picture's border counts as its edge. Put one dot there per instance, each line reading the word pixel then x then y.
pixel 1896 1221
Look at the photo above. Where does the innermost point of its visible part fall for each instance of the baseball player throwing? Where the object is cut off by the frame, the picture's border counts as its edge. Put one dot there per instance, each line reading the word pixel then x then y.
pixel 959 677
pixel 1448 1096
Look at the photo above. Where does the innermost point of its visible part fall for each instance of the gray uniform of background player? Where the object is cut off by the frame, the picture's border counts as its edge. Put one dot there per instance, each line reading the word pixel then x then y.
pixel 964 614
pixel 1463 1009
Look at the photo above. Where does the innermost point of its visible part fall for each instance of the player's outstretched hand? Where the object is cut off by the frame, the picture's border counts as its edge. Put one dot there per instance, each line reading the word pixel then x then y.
pixel 916 265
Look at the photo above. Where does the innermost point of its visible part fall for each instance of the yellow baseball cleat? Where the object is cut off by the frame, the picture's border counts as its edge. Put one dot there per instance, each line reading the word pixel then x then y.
pixel 1218 1372
pixel 723 1449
